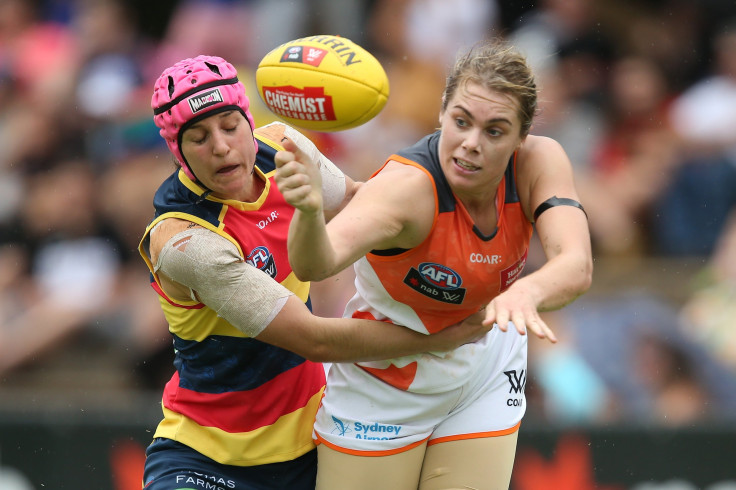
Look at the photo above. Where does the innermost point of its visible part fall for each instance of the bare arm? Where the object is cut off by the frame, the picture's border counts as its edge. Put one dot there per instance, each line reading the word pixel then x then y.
pixel 545 171
pixel 381 215
pixel 352 340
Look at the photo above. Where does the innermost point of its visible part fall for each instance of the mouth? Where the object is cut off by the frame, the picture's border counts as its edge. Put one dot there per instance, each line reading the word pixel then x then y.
pixel 227 169
pixel 466 165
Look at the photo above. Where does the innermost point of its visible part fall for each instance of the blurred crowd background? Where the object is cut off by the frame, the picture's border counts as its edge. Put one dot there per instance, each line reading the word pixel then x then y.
pixel 641 93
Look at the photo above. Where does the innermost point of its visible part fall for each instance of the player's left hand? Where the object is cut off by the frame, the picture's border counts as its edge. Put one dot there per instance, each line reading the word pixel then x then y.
pixel 517 305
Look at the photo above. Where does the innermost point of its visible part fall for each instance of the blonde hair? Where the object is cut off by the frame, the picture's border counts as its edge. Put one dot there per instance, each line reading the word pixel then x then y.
pixel 496 65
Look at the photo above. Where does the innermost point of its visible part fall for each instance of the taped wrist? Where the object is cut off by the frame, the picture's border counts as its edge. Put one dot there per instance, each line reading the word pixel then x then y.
pixel 215 273
pixel 333 180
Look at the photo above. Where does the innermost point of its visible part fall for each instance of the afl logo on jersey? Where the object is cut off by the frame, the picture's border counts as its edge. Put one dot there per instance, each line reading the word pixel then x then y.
pixel 262 259
pixel 436 281
pixel 439 275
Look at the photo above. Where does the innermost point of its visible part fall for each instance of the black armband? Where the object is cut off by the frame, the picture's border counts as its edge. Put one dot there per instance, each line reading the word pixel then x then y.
pixel 557 201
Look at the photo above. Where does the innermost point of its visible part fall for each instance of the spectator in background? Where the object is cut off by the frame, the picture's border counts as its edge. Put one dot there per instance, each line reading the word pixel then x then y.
pixel 110 82
pixel 709 314
pixel 71 264
pixel 38 60
pixel 677 397
pixel 64 283
pixel 569 391
pixel 633 348
pixel 693 209
pixel 569 32
pixel 576 122
pixel 634 160
pixel 223 27
pixel 672 34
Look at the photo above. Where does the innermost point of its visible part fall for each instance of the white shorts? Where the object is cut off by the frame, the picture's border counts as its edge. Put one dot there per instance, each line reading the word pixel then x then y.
pixel 360 414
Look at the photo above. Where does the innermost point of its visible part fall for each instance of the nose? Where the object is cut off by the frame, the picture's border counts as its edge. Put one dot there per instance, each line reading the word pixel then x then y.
pixel 220 145
pixel 471 142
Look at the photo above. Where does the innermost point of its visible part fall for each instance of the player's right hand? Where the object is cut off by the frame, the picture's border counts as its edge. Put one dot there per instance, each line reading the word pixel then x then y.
pixel 298 178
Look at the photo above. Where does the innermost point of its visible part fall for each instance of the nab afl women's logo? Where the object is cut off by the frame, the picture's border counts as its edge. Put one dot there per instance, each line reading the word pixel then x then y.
pixel 436 281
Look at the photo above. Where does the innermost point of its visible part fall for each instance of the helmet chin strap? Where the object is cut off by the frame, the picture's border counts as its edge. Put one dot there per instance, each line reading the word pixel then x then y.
pixel 207 190
pixel 204 195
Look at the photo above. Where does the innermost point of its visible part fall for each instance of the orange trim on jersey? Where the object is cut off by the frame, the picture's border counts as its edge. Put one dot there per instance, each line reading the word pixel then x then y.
pixel 475 435
pixel 357 452
pixel 398 377
pixel 161 293
pixel 412 163
pixel 367 315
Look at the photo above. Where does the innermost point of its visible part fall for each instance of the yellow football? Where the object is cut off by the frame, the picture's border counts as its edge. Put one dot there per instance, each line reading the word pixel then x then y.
pixel 322 83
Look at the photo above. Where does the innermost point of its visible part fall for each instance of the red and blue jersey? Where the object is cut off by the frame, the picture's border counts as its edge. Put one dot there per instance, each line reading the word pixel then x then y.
pixel 234 398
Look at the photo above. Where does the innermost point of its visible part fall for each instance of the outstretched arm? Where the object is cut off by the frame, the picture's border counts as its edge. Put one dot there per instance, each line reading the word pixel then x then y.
pixel 545 171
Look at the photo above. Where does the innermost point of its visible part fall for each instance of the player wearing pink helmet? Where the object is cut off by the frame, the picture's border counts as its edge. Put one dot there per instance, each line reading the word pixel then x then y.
pixel 191 90
pixel 238 411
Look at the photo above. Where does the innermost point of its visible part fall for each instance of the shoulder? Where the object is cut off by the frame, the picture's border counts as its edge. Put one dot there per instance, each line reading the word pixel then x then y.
pixel 274 131
pixel 164 231
pixel 540 146
pixel 402 177
pixel 396 207
pixel 397 188
pixel 540 154
pixel 543 169
pixel 407 191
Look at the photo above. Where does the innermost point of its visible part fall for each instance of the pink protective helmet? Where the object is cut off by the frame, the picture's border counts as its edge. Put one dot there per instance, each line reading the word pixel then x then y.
pixel 191 90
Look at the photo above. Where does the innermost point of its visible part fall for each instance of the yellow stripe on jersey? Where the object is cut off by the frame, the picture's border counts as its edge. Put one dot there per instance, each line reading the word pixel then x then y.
pixel 299 288
pixel 287 438
pixel 197 324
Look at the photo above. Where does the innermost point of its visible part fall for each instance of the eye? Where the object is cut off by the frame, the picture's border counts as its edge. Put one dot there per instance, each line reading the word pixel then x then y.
pixel 460 122
pixel 196 137
pixel 494 132
pixel 230 122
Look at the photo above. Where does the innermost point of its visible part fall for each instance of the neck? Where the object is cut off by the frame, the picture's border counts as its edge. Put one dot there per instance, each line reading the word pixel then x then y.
pixel 483 212
pixel 253 188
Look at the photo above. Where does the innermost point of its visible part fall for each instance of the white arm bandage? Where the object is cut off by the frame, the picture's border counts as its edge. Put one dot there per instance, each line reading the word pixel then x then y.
pixel 333 180
pixel 210 266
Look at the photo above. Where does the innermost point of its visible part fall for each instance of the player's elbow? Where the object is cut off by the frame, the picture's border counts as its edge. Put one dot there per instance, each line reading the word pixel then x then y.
pixel 308 274
pixel 308 270
pixel 319 353
pixel 315 349
pixel 584 276
pixel 306 267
